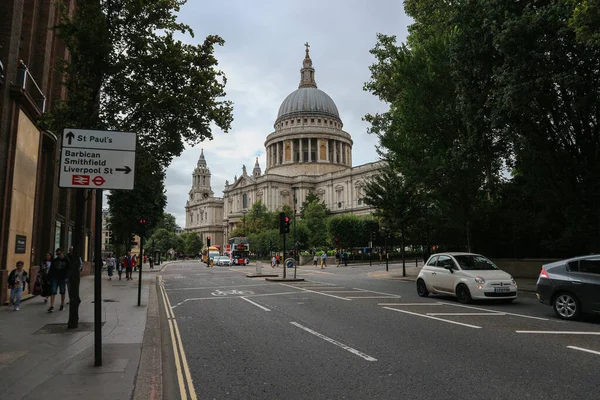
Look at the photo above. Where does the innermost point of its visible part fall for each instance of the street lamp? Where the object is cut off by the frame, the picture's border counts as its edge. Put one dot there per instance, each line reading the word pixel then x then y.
pixel 295 238
pixel 244 211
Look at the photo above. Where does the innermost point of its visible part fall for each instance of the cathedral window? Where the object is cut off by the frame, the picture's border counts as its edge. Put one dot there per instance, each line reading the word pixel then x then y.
pixel 298 120
pixel 312 120
pixel 245 201
pixel 319 120
pixel 359 202
pixel 305 120
pixel 292 122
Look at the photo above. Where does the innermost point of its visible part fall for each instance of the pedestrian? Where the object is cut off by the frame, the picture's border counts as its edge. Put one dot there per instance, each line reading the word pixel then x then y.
pixel 151 262
pixel 17 279
pixel 44 277
pixel 315 260
pixel 345 258
pixel 324 260
pixel 119 268
pixel 110 266
pixel 59 273
pixel 129 263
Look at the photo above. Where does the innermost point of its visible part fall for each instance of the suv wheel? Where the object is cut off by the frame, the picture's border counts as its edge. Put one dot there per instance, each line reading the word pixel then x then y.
pixel 463 294
pixel 422 288
pixel 566 306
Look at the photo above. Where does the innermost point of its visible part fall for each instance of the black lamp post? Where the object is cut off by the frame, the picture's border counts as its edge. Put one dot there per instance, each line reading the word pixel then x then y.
pixel 295 238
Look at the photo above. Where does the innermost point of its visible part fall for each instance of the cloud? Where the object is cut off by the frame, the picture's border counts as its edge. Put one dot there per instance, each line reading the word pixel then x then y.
pixel 262 58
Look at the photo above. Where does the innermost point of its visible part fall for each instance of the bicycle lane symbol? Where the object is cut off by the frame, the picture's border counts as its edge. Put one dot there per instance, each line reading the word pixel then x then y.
pixel 234 292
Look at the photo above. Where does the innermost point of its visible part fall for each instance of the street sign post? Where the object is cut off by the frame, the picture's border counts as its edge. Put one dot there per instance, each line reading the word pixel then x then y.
pixel 97 160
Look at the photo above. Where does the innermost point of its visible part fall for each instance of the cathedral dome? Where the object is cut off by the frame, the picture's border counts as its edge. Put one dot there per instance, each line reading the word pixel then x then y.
pixel 308 99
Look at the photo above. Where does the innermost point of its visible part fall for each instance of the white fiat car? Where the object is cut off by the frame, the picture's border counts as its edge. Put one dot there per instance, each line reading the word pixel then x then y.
pixel 467 276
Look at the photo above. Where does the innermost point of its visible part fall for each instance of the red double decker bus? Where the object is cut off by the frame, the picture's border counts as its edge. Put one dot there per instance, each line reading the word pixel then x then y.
pixel 238 250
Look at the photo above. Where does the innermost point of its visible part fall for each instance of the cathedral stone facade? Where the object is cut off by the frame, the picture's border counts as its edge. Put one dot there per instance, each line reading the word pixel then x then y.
pixel 308 152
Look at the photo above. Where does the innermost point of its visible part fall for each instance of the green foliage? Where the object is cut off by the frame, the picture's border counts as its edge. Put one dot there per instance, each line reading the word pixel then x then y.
pixel 315 218
pixel 193 243
pixel 162 240
pixel 347 231
pixel 310 198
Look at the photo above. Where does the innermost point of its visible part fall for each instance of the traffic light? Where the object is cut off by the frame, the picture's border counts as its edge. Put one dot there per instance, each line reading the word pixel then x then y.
pixel 284 223
pixel 143 227
pixel 208 241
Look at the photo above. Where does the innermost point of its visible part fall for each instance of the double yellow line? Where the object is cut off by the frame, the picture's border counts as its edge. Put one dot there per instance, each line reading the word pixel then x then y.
pixel 181 365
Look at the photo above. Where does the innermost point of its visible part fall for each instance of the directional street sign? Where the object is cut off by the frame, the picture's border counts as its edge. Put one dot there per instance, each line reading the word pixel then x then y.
pixel 97 159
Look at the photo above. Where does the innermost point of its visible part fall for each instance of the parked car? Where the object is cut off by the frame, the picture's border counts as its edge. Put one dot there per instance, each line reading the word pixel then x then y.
pixel 571 287
pixel 223 261
pixel 467 276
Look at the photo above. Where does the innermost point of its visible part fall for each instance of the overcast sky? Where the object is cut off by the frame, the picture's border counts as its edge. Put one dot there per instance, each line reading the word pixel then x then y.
pixel 262 57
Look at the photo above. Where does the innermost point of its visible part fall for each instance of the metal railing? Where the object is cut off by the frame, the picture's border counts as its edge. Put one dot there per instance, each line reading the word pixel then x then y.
pixel 26 81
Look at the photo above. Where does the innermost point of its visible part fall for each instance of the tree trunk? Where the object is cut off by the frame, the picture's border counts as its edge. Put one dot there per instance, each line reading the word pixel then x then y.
pixel 74 273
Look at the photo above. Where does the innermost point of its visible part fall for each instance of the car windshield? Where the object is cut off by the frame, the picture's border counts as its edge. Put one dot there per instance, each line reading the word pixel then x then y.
pixel 474 262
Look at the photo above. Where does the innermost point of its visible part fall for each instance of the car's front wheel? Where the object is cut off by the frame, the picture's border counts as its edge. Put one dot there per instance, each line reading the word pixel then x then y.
pixel 463 294
pixel 566 306
pixel 422 288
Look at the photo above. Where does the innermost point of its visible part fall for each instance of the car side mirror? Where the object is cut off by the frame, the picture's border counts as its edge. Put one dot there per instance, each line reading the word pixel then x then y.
pixel 450 268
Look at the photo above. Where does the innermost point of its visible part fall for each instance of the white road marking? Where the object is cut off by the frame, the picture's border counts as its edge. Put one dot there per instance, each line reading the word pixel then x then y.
pixel 217 287
pixel 312 291
pixel 340 291
pixel 372 291
pixel 330 340
pixel 256 304
pixel 370 297
pixel 561 332
pixel 586 350
pixel 410 304
pixel 487 309
pixel 461 314
pixel 231 297
pixel 436 318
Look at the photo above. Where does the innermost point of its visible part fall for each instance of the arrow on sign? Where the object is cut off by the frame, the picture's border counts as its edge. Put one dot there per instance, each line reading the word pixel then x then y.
pixel 70 136
pixel 126 169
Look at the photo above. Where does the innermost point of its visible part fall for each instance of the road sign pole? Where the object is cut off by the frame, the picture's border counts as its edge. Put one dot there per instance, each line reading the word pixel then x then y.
pixel 140 268
pixel 98 282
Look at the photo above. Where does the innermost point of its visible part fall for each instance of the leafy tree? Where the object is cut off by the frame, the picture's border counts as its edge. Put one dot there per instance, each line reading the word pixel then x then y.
pixel 315 217
pixel 346 231
pixel 164 240
pixel 193 243
pixel 310 197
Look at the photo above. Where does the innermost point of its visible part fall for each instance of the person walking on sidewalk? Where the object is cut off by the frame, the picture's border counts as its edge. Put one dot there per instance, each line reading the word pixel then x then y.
pixel 16 283
pixel 59 271
pixel 44 277
pixel 324 260
pixel 315 259
pixel 110 265
pixel 119 268
pixel 129 263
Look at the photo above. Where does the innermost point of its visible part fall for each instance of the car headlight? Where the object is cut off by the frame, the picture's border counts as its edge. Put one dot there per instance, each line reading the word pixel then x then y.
pixel 513 280
pixel 479 280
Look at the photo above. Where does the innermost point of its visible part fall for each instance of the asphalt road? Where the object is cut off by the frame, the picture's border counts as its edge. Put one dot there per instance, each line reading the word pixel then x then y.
pixel 346 334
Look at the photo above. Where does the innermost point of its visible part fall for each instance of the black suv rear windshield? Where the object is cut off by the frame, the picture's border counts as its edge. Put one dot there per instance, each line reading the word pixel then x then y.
pixel 472 262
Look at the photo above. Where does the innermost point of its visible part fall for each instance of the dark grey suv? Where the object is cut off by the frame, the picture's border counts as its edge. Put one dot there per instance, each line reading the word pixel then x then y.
pixel 571 287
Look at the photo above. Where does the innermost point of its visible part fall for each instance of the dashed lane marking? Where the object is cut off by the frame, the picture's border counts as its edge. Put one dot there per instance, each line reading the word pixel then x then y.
pixel 436 318
pixel 585 350
pixel 314 291
pixel 256 304
pixel 335 342
pixel 373 291
pixel 370 297
pixel 488 310
pixel 410 304
pixel 463 314
pixel 561 332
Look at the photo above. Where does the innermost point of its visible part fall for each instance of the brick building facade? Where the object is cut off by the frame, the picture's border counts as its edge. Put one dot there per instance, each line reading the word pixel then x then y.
pixel 36 216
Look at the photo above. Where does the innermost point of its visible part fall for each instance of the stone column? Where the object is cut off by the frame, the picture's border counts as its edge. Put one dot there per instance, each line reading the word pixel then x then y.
pixel 327 151
pixel 309 149
pixel 301 150
pixel 277 153
pixel 292 150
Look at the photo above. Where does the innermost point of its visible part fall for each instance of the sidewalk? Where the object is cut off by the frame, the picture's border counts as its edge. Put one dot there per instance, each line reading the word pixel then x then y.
pixel 41 359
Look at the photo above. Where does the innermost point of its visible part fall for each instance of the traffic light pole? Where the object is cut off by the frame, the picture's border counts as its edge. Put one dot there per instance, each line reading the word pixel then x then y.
pixel 98 281
pixel 283 259
pixel 140 270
